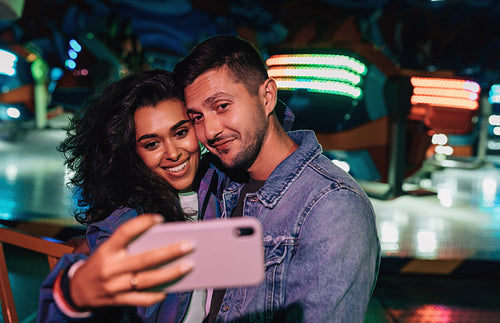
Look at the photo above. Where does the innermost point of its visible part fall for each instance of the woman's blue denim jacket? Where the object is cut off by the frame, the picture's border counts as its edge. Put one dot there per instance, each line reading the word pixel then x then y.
pixel 321 247
pixel 174 307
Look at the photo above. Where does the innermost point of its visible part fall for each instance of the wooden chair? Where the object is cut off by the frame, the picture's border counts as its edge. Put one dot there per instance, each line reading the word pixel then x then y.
pixel 53 251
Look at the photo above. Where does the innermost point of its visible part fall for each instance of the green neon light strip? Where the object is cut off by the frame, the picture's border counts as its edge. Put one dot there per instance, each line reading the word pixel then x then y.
pixel 338 88
pixel 340 61
pixel 327 73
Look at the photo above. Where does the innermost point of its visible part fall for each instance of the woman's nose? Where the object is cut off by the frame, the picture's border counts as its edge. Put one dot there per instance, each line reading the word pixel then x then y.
pixel 173 153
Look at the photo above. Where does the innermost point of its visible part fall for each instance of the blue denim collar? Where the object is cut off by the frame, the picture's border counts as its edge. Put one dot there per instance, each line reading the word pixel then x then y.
pixel 288 170
pixel 285 115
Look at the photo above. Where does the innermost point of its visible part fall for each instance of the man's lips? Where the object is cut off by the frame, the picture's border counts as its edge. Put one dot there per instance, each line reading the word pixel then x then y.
pixel 221 144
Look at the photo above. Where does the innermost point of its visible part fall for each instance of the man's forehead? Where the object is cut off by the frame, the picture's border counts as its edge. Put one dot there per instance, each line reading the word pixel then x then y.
pixel 203 84
pixel 209 87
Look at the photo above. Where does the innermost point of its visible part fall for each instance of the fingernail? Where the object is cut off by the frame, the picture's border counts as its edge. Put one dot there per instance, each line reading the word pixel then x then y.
pixel 186 246
pixel 186 265
pixel 157 218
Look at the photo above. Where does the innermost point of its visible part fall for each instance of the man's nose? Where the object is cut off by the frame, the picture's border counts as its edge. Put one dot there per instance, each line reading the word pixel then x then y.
pixel 212 127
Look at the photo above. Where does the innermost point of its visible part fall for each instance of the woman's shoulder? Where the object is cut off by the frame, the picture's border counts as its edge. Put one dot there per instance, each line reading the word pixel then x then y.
pixel 100 230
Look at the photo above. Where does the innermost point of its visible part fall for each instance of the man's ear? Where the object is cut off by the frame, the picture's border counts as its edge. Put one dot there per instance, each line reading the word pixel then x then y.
pixel 270 95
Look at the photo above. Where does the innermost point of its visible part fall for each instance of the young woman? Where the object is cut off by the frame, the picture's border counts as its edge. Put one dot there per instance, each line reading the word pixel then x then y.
pixel 132 151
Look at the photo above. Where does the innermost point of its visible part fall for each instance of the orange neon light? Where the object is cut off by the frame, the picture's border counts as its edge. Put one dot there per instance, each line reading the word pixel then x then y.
pixel 445 83
pixel 451 93
pixel 445 102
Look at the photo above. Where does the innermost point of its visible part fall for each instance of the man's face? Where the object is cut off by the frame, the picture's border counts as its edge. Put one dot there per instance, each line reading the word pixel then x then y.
pixel 229 121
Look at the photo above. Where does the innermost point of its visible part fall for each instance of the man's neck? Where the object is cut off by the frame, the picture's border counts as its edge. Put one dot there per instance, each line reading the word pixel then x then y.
pixel 276 147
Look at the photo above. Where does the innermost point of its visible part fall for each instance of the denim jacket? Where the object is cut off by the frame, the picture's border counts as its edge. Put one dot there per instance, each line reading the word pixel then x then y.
pixel 175 306
pixel 322 252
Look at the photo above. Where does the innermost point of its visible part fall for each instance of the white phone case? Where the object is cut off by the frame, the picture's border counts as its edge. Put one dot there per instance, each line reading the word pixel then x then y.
pixel 228 252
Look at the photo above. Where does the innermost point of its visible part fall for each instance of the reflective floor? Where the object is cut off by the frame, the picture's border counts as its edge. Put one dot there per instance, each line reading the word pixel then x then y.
pixel 441 252
pixel 461 221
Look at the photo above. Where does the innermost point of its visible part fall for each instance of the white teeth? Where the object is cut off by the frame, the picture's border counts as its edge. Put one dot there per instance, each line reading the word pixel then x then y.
pixel 177 168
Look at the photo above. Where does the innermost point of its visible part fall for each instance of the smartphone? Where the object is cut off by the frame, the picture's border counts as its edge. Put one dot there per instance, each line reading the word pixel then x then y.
pixel 228 252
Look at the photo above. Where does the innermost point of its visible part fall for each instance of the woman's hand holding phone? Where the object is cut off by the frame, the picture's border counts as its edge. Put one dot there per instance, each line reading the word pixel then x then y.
pixel 113 277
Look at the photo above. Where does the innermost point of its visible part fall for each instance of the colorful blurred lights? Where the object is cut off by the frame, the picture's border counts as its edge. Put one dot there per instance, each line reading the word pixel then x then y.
pixel 471 86
pixel 75 48
pixel 318 60
pixel 445 102
pixel 13 113
pixel 389 237
pixel 439 139
pixel 444 92
pixel 426 242
pixel 494 96
pixel 324 73
pixel 72 54
pixel 11 172
pixel 342 165
pixel 494 120
pixel 445 196
pixel 325 87
pixel 389 232
pixel 444 150
pixel 8 63
pixel 489 189
pixel 70 64
pixel 75 45
pixel 56 73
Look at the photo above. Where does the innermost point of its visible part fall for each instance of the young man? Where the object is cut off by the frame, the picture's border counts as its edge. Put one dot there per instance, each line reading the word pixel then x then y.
pixel 321 247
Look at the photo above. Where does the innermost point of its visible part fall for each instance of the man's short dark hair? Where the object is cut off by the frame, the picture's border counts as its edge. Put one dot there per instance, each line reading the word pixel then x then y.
pixel 241 58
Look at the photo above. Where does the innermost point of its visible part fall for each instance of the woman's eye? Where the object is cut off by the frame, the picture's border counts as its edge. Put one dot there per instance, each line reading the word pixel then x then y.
pixel 151 145
pixel 182 133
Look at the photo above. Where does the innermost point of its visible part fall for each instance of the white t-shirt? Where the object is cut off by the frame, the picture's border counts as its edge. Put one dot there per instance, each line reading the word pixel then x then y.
pixel 201 299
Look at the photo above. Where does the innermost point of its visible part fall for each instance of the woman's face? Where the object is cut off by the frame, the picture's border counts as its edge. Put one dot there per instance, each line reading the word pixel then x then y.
pixel 166 142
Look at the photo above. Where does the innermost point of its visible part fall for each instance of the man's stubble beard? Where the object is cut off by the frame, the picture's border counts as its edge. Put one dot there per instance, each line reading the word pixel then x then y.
pixel 247 155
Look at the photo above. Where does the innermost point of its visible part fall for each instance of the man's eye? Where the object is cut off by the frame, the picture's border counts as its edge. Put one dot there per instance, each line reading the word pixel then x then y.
pixel 196 118
pixel 223 106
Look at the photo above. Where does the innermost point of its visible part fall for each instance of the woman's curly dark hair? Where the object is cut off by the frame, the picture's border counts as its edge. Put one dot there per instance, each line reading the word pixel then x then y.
pixel 100 149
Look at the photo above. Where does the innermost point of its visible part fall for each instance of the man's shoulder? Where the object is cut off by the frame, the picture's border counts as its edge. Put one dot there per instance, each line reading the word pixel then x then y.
pixel 322 171
pixel 311 168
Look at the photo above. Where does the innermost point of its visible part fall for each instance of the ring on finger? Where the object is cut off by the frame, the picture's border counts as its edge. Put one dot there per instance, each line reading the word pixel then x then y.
pixel 133 282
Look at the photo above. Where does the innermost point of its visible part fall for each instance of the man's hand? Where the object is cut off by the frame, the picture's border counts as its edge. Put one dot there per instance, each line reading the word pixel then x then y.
pixel 112 277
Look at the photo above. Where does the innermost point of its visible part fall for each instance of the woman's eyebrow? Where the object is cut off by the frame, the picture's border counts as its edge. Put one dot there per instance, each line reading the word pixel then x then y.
pixel 173 128
pixel 179 124
pixel 147 136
